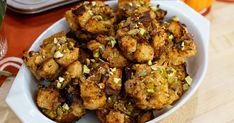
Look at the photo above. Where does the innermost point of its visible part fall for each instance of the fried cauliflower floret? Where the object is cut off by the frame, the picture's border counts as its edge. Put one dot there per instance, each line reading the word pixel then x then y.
pixel 48 98
pixel 49 69
pixel 92 17
pixel 151 90
pixel 105 47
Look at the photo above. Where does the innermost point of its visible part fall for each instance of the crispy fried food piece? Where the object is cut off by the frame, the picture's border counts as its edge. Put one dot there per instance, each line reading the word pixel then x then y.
pixel 181 45
pixel 61 107
pixel 115 117
pixel 92 88
pixel 92 95
pixel 55 51
pixel 92 18
pixel 133 42
pixel 74 70
pixel 74 112
pixel 133 8
pixel 48 98
pixel 68 57
pixel 144 53
pixel 122 110
pixel 73 108
pixel 129 8
pixel 106 47
pixel 145 117
pixel 33 60
pixel 114 82
pixel 150 87
pixel 48 69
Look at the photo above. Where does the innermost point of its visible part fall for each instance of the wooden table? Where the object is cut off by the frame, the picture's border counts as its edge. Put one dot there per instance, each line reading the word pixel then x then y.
pixel 214 100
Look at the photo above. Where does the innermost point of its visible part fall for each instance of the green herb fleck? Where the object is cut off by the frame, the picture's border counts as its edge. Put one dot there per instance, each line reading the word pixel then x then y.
pixel 142 31
pixel 150 90
pixel 86 69
pixel 189 80
pixel 116 80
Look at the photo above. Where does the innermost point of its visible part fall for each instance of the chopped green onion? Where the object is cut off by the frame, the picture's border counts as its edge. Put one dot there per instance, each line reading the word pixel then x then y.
pixel 96 54
pixel 150 62
pixel 58 54
pixel 189 80
pixel 133 32
pixel 93 3
pixel 59 85
pixel 101 85
pixel 88 62
pixel 86 69
pixel 150 90
pixel 65 106
pixel 182 45
pixel 185 86
pixel 113 42
pixel 154 67
pixel 61 79
pixel 116 80
pixel 154 8
pixel 55 40
pixel 90 13
pixel 113 69
pixel 142 73
pixel 5 73
pixel 175 18
pixel 130 4
pixel 86 2
pixel 142 31
pixel 101 60
pixel 93 60
pixel 171 37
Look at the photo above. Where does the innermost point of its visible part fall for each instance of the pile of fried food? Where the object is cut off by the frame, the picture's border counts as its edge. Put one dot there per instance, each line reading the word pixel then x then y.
pixel 122 65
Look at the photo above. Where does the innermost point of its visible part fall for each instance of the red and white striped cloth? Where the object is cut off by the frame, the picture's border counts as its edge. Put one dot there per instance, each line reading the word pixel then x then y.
pixel 9 62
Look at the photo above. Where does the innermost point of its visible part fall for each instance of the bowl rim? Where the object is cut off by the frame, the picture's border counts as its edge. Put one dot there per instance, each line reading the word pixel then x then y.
pixel 205 36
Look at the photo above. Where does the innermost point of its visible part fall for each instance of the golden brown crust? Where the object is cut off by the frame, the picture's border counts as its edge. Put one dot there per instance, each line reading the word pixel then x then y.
pixel 48 98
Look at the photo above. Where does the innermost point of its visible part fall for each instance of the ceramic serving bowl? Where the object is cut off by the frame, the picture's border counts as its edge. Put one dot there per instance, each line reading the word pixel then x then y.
pixel 21 95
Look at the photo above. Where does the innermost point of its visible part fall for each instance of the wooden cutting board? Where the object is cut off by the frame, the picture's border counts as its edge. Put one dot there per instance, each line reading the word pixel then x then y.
pixel 214 100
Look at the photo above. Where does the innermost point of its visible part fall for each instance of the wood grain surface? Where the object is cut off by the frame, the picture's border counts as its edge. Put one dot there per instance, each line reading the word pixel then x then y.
pixel 214 100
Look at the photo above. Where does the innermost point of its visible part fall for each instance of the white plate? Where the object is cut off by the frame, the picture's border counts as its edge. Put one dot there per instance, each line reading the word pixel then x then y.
pixel 36 6
pixel 21 95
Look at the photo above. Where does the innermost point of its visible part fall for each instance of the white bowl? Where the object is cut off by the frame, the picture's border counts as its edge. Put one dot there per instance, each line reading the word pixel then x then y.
pixel 21 95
